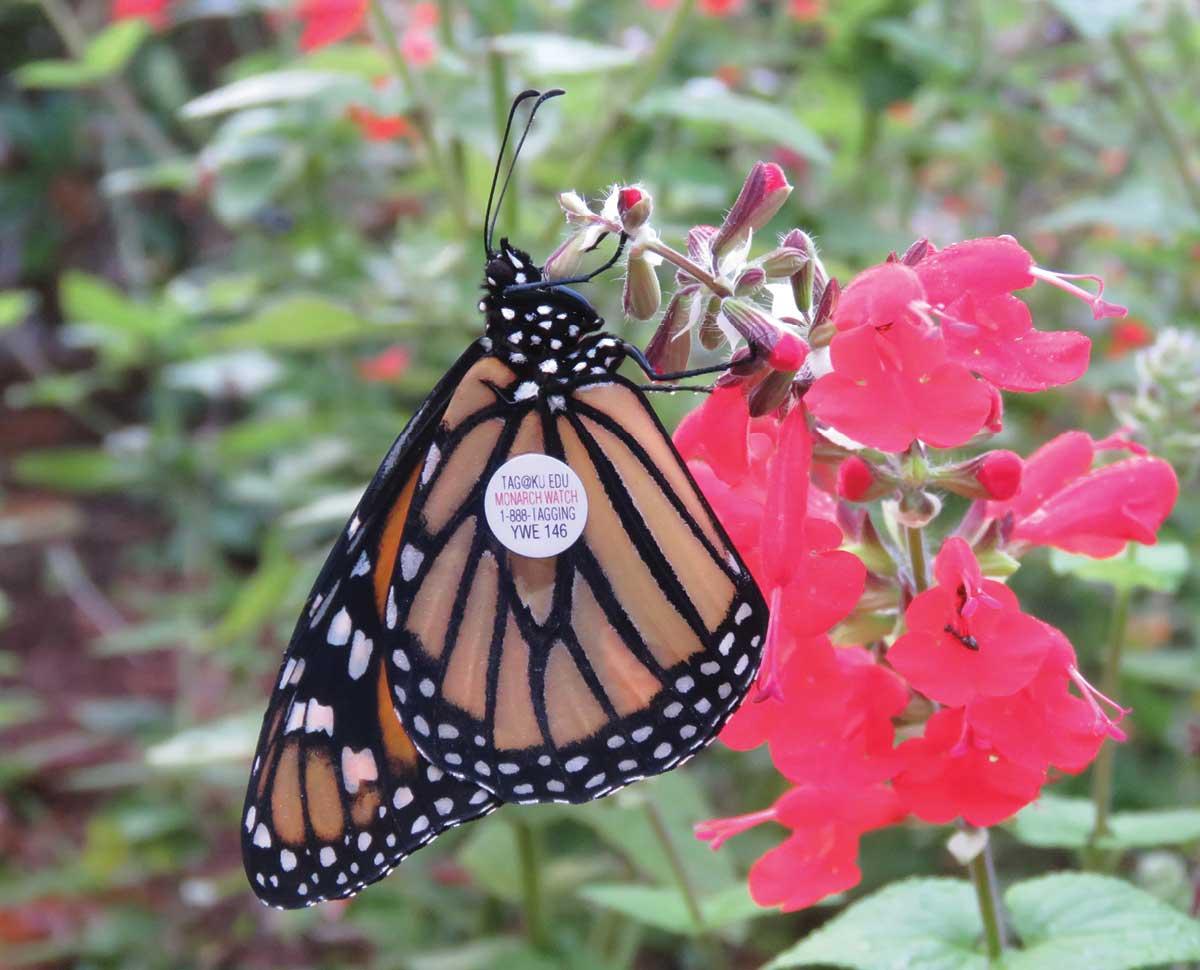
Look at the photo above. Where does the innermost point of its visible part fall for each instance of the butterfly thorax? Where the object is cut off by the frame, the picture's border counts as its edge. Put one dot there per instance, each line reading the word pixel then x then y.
pixel 550 335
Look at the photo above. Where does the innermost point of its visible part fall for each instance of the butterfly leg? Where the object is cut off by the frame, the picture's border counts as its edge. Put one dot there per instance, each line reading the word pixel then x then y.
pixel 635 354
pixel 585 278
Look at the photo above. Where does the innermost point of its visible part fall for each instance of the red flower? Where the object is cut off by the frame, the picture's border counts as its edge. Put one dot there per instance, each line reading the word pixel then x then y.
pixel 1126 337
pixel 1044 723
pixel 386 366
pixel 328 21
pixel 154 12
pixel 820 856
pixel 951 773
pixel 806 9
pixel 1064 503
pixel 379 127
pixel 893 384
pixel 418 46
pixel 967 636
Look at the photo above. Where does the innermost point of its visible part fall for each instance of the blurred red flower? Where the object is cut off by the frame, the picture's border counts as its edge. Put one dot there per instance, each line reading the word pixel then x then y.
pixel 377 127
pixel 1065 503
pixel 154 12
pixel 386 366
pixel 806 9
pixel 328 21
pixel 1126 337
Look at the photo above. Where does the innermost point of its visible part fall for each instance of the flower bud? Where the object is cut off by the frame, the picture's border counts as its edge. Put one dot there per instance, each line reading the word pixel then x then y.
pixel 994 475
pixel 827 307
pixel 916 252
pixel 784 261
pixel 822 336
pixel 917 509
pixel 671 344
pixel 709 331
pixel 858 482
pixel 749 280
pixel 634 206
pixel 769 394
pixel 566 260
pixel 762 332
pixel 574 207
pixel 744 363
pixel 763 194
pixel 642 294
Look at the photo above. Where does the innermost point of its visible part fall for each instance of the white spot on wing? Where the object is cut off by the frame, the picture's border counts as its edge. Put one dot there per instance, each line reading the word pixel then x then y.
pixel 287 860
pixel 362 567
pixel 410 561
pixel 431 463
pixel 360 655
pixel 358 767
pixel 403 796
pixel 262 838
pixel 339 628
pixel 318 717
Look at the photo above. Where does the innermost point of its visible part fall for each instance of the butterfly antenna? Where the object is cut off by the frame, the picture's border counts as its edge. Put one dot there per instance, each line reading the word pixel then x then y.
pixel 487 219
pixel 494 216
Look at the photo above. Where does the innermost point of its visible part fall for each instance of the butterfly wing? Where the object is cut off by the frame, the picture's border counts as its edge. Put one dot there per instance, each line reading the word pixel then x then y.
pixel 338 794
pixel 567 677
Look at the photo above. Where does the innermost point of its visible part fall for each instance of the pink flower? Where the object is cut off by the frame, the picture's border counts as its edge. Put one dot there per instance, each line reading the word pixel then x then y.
pixel 1064 502
pixel 154 12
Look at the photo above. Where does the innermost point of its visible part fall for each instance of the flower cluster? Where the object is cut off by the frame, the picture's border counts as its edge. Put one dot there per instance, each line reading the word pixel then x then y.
pixel 901 677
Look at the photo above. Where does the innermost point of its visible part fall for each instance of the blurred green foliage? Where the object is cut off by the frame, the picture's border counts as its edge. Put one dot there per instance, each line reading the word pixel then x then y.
pixel 202 255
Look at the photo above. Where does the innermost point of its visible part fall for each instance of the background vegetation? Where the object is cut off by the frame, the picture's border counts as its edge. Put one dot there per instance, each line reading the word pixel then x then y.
pixel 230 267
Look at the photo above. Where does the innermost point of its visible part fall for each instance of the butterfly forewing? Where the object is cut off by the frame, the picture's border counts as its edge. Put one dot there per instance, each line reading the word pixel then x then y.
pixel 338 793
pixel 567 677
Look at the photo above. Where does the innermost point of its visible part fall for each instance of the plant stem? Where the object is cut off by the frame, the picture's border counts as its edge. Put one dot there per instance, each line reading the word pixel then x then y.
pixel 1102 770
pixel 686 890
pixel 915 539
pixel 983 877
pixel 531 884
pixel 1159 115
pixel 455 194
pixel 114 90
pixel 643 79
pixel 718 286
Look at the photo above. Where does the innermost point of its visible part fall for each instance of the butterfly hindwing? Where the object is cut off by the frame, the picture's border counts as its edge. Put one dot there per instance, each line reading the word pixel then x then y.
pixel 338 793
pixel 567 677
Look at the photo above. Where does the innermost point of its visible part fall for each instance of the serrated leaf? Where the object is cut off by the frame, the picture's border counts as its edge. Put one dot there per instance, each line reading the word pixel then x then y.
pixel 14 307
pixel 1082 920
pixel 1056 822
pixel 932 924
pixel 546 54
pixel 269 88
pixel 747 116
pixel 1161 567
pixel 298 322
pixel 664 908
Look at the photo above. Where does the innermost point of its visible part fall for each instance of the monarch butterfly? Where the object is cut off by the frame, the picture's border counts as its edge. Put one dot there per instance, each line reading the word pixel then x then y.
pixel 532 602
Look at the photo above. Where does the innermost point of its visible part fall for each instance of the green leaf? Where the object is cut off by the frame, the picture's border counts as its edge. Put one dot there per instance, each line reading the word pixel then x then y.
pixel 747 116
pixel 664 908
pixel 297 322
pixel 228 741
pixel 14 307
pixel 1160 567
pixel 546 54
pixel 259 595
pixel 932 924
pixel 1179 669
pixel 268 88
pixel 1080 920
pixel 1098 19
pixel 75 469
pixel 91 300
pixel 106 55
pixel 1056 822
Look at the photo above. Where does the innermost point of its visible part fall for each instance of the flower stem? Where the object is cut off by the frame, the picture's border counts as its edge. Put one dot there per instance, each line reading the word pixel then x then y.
pixel 455 194
pixel 717 285
pixel 686 890
pixel 1159 114
pixel 915 538
pixel 531 884
pixel 983 877
pixel 1102 770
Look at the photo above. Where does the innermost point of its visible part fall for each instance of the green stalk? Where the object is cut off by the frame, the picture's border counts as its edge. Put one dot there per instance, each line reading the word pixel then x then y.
pixel 1102 770
pixel 446 174
pixel 114 90
pixel 915 539
pixel 983 879
pixel 686 890
pixel 642 80
pixel 531 885
pixel 1159 115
